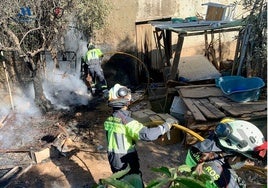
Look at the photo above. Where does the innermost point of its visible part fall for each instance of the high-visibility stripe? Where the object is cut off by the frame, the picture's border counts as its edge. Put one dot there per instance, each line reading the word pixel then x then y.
pixel 118 139
pixel 93 54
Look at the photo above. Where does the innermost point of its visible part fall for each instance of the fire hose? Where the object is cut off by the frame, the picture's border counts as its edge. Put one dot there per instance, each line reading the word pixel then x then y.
pixel 181 127
pixel 142 63
pixel 259 170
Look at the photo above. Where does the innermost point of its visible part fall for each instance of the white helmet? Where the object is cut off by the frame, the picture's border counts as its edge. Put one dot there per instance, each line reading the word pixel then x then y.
pixel 119 96
pixel 90 46
pixel 241 137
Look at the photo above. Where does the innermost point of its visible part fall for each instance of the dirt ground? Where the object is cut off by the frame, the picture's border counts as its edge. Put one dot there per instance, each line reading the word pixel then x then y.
pixel 82 168
pixel 22 137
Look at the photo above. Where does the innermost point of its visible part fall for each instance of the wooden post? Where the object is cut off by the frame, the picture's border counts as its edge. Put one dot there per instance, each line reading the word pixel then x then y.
pixel 206 44
pixel 8 85
pixel 158 44
pixel 175 65
pixel 243 49
pixel 220 53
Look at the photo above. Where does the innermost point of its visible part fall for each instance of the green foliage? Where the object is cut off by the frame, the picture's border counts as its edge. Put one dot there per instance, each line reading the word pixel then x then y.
pixel 254 42
pixel 43 28
pixel 121 180
pixel 28 28
pixel 181 177
pixel 91 15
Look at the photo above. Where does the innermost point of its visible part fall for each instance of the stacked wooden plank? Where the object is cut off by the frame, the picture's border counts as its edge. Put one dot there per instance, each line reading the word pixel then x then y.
pixel 207 106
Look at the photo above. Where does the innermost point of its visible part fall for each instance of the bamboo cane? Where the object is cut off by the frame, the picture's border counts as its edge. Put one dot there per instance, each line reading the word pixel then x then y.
pixel 9 89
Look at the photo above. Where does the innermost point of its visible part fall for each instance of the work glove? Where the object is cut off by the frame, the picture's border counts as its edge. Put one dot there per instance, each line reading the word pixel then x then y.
pixel 170 122
pixel 165 127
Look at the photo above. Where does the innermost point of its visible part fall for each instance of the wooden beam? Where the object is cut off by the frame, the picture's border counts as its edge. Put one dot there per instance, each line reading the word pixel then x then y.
pixel 213 109
pixel 202 107
pixel 9 175
pixel 195 111
pixel 175 65
pixel 241 109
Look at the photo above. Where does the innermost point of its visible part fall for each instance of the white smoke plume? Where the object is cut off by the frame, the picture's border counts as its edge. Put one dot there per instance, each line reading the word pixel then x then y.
pixel 65 90
pixel 63 87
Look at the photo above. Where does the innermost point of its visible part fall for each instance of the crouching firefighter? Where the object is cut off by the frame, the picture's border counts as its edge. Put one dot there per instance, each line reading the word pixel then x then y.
pixel 231 139
pixel 122 132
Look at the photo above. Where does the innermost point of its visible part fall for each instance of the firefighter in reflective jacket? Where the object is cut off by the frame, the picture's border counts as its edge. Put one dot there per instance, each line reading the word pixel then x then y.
pixel 231 139
pixel 122 132
pixel 93 61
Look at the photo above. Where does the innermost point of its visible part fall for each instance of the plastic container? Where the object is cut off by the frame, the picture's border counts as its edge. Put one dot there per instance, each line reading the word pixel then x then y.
pixel 226 78
pixel 178 109
pixel 242 89
pixel 177 20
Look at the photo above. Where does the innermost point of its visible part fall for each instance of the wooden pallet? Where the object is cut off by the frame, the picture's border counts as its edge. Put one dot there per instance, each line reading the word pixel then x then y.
pixel 207 106
pixel 206 103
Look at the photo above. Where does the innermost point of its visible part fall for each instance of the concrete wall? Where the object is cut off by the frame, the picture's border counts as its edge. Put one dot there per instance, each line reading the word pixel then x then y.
pixel 120 32
pixel 154 9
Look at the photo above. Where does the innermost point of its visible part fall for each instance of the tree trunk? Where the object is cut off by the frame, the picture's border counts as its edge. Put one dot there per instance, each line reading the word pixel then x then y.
pixel 40 100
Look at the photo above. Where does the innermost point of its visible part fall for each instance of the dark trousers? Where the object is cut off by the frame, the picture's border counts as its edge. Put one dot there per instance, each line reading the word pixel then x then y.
pixel 130 159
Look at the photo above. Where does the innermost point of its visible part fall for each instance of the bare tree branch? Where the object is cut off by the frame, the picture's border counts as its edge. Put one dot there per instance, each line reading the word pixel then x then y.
pixel 40 27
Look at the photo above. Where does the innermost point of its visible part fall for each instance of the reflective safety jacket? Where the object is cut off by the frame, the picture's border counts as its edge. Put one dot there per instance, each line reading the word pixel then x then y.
pixel 92 56
pixel 122 132
pixel 218 168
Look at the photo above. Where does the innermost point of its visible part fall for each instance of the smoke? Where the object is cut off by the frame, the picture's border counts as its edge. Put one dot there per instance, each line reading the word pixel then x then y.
pixel 63 87
pixel 18 112
pixel 19 101
pixel 75 41
pixel 24 104
pixel 65 90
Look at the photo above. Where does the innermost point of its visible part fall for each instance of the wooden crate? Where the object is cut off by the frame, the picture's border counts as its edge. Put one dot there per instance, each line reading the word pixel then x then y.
pixel 176 136
pixel 143 115
pixel 215 11
pixel 152 119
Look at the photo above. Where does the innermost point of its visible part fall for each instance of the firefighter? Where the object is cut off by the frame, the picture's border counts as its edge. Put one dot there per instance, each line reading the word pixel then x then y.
pixel 231 139
pixel 93 59
pixel 123 131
